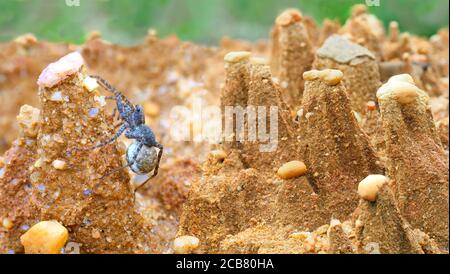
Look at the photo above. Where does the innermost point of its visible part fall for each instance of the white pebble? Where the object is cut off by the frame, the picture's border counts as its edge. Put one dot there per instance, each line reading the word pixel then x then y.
pixel 237 56
pixel 401 88
pixel 59 164
pixel 56 96
pixel 60 70
pixel 368 188
pixel 185 244
pixel 101 100
pixel 90 83
pixel 7 223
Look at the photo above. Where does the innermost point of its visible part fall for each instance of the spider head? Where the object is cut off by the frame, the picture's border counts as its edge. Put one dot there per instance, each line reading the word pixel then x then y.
pixel 138 115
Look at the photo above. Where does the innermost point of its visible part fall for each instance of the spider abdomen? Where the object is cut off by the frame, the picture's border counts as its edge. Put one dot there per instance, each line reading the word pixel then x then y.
pixel 142 161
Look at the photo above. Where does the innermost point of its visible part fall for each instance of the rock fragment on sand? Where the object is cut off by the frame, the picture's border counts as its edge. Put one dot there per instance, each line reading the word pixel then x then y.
pixel 185 244
pixel 46 237
pixel 60 70
pixel 368 188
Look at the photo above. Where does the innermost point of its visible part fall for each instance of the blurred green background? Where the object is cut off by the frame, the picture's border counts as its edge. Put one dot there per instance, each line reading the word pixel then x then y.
pixel 206 21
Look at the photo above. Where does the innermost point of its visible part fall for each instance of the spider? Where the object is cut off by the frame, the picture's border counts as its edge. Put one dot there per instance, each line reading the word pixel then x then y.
pixel 141 154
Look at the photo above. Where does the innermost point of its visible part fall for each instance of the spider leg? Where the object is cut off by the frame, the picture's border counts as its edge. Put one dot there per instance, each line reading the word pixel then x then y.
pixel 160 152
pixel 115 109
pixel 117 135
pixel 155 171
pixel 115 115
pixel 116 169
pixel 124 106
pixel 106 85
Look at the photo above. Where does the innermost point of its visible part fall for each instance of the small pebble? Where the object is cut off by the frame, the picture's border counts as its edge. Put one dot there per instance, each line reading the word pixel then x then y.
pixel 38 163
pixel 56 194
pixel 90 83
pixel 7 223
pixel 218 154
pixel 59 164
pixel 41 188
pixel 28 120
pixel 331 77
pixel 14 182
pixel 292 169
pixel 259 61
pixel 60 70
pixel 87 222
pixel 93 112
pixel 368 187
pixel 96 234
pixel 308 114
pixel 172 77
pixel 334 222
pixel 321 230
pixel 371 106
pixel 87 192
pixel 56 96
pixel 101 100
pixel 401 88
pixel 236 56
pixel 299 235
pixel 300 113
pixel 46 237
pixel 185 244
pixel 288 17
pixel 34 177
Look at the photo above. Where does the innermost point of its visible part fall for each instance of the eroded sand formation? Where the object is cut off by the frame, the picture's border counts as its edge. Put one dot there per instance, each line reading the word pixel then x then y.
pixel 360 164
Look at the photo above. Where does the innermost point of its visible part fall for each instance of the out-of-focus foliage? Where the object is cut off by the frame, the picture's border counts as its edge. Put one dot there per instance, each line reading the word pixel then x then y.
pixel 127 21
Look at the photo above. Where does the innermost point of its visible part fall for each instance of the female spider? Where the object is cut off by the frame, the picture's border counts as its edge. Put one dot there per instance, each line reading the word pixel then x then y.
pixel 141 154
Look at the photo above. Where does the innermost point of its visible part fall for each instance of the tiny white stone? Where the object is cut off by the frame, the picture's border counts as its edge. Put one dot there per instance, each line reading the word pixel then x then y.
pixel 38 163
pixel 300 113
pixel 369 186
pixel 236 56
pixel 401 88
pixel 90 83
pixel 101 100
pixel 56 96
pixel 59 164
pixel 185 244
